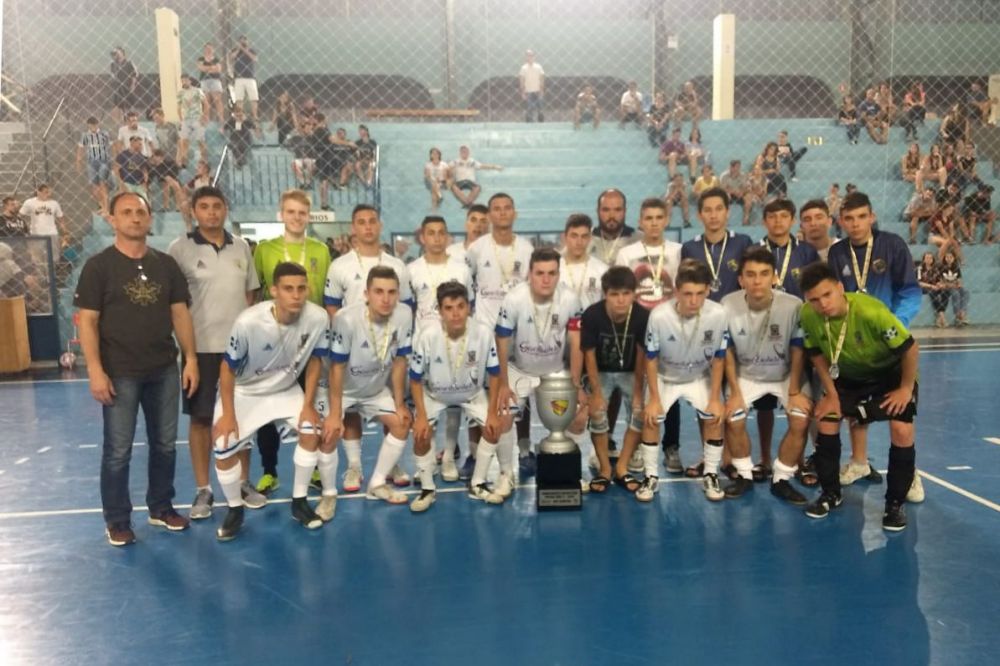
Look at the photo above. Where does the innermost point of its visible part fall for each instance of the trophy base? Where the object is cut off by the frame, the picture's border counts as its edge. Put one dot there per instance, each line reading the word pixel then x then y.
pixel 558 482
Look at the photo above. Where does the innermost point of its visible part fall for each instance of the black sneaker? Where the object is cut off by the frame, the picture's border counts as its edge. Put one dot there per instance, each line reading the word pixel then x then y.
pixel 785 491
pixel 894 518
pixel 823 505
pixel 231 525
pixel 302 512
pixel 737 488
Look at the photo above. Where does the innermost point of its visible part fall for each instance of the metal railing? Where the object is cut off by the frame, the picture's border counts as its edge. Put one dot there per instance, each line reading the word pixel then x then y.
pixel 45 139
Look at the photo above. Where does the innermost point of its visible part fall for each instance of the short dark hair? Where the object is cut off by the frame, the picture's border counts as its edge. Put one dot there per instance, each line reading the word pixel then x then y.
pixel 117 197
pixel 612 190
pixel 41 186
pixel 652 202
pixel 92 120
pixel 499 195
pixel 383 272
pixel 431 219
pixel 814 203
pixel 618 277
pixel 477 208
pixel 287 268
pixel 543 254
pixel 757 254
pixel 814 273
pixel 692 271
pixel 780 205
pixel 208 192
pixel 361 207
pixel 452 289
pixel 7 200
pixel 578 220
pixel 855 200
pixel 713 192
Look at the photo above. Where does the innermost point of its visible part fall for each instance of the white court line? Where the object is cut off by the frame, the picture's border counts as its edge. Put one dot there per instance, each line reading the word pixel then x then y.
pixel 992 440
pixel 21 461
pixel 88 446
pixel 958 468
pixel 961 491
pixel 44 449
pixel 29 382
pixel 959 351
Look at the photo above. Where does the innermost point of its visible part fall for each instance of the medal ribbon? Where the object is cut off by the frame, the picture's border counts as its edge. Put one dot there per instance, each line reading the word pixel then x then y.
pixel 710 261
pixel 861 276
pixel 835 352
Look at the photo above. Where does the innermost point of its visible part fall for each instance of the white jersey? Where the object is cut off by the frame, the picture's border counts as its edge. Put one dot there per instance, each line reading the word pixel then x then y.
pixel 266 356
pixel 762 340
pixel 686 347
pixel 496 270
pixel 347 278
pixel 583 279
pixel 454 371
pixel 538 331
pixel 648 260
pixel 424 281
pixel 368 348
pixel 457 251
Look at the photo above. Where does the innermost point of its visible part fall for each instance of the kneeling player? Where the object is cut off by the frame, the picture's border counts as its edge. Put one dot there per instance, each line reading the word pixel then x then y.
pixel 867 362
pixel 375 337
pixel 764 359
pixel 450 360
pixel 269 344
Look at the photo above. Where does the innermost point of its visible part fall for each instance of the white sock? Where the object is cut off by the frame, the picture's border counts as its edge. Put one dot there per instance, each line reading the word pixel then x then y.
pixel 523 446
pixel 230 481
pixel 484 458
pixel 425 470
pixel 388 456
pixel 452 423
pixel 744 466
pixel 505 451
pixel 650 458
pixel 209 486
pixel 305 463
pixel 712 455
pixel 327 466
pixel 783 472
pixel 352 449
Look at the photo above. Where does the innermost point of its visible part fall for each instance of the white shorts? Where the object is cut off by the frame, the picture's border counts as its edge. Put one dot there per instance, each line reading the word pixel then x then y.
pixel 192 130
pixel 211 86
pixel 304 163
pixel 753 390
pixel 609 382
pixel 696 393
pixel 255 411
pixel 476 408
pixel 380 404
pixel 522 384
pixel 245 89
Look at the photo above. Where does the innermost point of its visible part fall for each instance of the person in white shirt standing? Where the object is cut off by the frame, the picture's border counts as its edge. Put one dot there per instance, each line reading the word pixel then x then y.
pixel 45 217
pixel 630 107
pixel 532 82
pixel 462 174
pixel 477 225
pixel 580 271
pixel 130 129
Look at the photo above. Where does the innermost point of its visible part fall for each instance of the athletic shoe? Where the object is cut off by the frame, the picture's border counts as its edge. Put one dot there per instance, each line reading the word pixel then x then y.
pixel 635 462
pixel 231 525
pixel 170 519
pixel 527 465
pixel 915 495
pixel 302 512
pixel 120 534
pixel 252 498
pixel 854 471
pixel 784 490
pixel 398 477
pixel 201 507
pixel 423 501
pixel 483 492
pixel 465 473
pixel 386 493
pixel 505 485
pixel 315 482
pixel 824 504
pixel 647 490
pixel 353 478
pixel 894 518
pixel 326 508
pixel 713 491
pixel 449 471
pixel 672 460
pixel 737 488
pixel 268 484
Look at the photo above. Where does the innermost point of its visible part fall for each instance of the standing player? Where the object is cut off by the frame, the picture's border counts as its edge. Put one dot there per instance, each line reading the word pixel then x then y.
pixel 477 225
pixel 270 344
pixel 580 271
pixel 815 223
pixel 790 254
pixel 612 232
pixel 764 359
pixel 373 337
pixel 222 281
pixel 451 360
pixel 867 361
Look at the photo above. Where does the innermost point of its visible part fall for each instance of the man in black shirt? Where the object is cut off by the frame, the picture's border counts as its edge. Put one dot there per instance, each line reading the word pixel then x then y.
pixel 164 171
pixel 244 59
pixel 11 222
pixel 125 79
pixel 133 300
pixel 976 210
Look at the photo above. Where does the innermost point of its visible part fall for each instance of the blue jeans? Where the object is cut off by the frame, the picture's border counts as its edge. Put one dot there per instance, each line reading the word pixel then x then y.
pixel 533 107
pixel 158 395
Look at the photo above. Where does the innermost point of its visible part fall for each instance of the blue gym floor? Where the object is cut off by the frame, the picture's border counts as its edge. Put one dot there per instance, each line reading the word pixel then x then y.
pixel 678 581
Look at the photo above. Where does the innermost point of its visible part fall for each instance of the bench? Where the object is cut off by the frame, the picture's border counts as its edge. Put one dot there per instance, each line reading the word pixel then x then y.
pixel 460 114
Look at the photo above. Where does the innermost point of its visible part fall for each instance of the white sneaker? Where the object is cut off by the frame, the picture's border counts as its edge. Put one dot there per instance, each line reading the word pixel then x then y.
pixel 915 495
pixel 482 492
pixel 423 501
pixel 648 489
pixel 353 478
pixel 505 485
pixel 449 472
pixel 713 491
pixel 326 508
pixel 635 462
pixel 854 471
pixel 398 477
pixel 386 493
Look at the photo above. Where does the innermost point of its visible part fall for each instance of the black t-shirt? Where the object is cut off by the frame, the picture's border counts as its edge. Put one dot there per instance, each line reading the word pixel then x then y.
pixel 165 169
pixel 243 65
pixel 597 332
pixel 123 72
pixel 242 136
pixel 974 204
pixel 208 63
pixel 13 226
pixel 135 326
pixel 366 149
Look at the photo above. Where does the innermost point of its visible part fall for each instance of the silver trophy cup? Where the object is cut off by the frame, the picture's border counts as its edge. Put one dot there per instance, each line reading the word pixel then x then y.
pixel 559 473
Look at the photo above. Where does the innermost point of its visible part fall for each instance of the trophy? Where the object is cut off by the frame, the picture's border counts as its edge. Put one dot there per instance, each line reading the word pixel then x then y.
pixel 558 474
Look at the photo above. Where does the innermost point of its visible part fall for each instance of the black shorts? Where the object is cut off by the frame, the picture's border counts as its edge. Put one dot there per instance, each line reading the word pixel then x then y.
pixel 767 403
pixel 202 404
pixel 123 98
pixel 329 168
pixel 862 400
pixel 466 184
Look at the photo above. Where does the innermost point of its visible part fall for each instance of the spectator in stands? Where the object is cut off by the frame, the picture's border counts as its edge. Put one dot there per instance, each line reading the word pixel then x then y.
pixel 309 110
pixel 696 153
pixel 706 181
pixel 911 166
pixel 11 222
pixel 673 151
pixel 436 177
pixel 364 164
pixel 978 104
pixel 933 168
pixel 125 79
pixel 164 171
pixel 630 106
pixel 45 218
pixel 133 129
pixel 687 105
pixel 789 156
pixel 167 134
pixel 210 78
pixel 954 125
pixel 192 109
pixel 202 176
pixel 976 209
pixel 920 209
pixel 132 168
pixel 658 120
pixel 284 119
pixel 304 158
pixel 929 279
pixel 587 109
pixel 963 172
pixel 677 195
pixel 463 176
pixel 770 166
pixel 873 117
pixel 833 202
pixel 95 147
pixel 244 60
pixel 915 106
pixel 883 97
pixel 943 230
pixel 239 131
pixel 737 186
pixel 332 152
pixel 531 79
pixel 951 277
pixel 848 117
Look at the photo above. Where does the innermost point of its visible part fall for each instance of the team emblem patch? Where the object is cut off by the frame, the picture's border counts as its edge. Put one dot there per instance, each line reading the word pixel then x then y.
pixel 709 336
pixel 559 407
pixel 555 319
pixel 775 331
pixel 517 266
pixel 732 265
pixel 796 272
pixel 890 333
pixel 593 283
pixel 472 357
pixel 879 266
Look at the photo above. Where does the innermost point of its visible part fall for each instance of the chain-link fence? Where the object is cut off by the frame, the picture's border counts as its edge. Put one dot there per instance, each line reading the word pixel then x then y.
pixel 443 73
